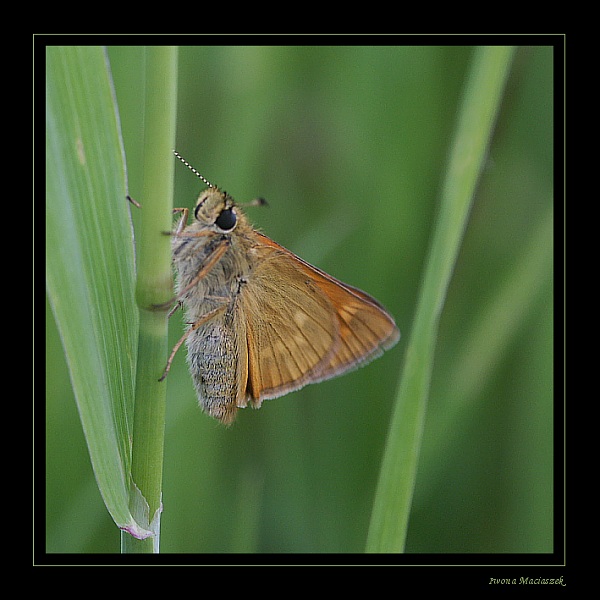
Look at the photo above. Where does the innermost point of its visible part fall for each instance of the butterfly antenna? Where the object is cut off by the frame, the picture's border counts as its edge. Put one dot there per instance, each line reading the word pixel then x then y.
pixel 255 202
pixel 194 171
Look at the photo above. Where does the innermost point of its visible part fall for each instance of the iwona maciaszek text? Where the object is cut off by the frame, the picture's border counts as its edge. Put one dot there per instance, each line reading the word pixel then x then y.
pixel 527 581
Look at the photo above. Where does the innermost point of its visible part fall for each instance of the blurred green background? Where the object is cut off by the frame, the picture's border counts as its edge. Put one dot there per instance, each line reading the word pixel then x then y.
pixel 349 146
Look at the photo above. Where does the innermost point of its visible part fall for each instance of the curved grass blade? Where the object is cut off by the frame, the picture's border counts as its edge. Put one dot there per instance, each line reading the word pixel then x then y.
pixel 90 261
pixel 481 101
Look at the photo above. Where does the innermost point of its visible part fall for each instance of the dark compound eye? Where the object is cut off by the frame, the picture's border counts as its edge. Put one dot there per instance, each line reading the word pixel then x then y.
pixel 226 220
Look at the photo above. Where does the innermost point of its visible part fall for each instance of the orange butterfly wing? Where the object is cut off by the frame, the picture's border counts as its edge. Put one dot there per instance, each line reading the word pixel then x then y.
pixel 310 328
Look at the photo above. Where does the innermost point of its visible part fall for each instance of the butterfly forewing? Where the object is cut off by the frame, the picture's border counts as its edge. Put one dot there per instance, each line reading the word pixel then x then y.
pixel 318 327
pixel 288 343
pixel 365 328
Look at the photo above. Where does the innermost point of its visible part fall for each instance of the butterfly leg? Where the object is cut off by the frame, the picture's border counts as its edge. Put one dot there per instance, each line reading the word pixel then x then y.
pixel 185 212
pixel 207 317
pixel 178 304
pixel 213 259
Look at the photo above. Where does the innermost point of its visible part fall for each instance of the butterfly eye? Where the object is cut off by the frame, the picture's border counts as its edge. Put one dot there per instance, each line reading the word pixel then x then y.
pixel 226 220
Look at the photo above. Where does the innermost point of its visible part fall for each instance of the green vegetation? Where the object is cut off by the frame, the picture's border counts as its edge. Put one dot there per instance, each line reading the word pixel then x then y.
pixel 350 146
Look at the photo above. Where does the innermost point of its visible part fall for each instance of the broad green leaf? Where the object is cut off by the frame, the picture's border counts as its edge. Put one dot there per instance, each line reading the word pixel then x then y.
pixel 90 261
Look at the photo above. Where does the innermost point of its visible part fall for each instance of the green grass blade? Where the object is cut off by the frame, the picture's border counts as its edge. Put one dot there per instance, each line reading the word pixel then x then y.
pixel 154 286
pixel 481 100
pixel 89 260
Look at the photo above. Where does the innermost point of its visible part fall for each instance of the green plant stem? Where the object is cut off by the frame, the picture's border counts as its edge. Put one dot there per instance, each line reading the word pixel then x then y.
pixel 154 286
pixel 481 100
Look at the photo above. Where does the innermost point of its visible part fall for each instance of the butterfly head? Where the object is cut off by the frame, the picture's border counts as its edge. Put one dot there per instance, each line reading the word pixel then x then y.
pixel 216 208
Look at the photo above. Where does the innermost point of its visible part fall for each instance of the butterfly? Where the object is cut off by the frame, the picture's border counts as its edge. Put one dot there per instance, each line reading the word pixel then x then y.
pixel 262 322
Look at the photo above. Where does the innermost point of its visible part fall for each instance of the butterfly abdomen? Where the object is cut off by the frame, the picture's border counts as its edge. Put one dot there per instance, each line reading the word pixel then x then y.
pixel 213 362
